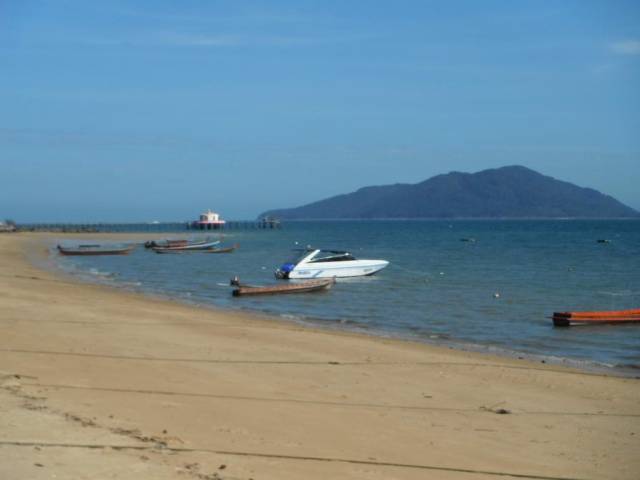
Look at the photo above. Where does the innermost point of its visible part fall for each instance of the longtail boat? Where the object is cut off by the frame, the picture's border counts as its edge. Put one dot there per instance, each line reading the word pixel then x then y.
pixel 166 243
pixel 177 243
pixel 298 287
pixel 186 248
pixel 95 250
pixel 230 249
pixel 567 319
pixel 197 250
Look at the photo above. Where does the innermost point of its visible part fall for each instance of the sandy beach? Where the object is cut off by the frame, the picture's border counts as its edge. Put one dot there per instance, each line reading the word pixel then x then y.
pixel 101 383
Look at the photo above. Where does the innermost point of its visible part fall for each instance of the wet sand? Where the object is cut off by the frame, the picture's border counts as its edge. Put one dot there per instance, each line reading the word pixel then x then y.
pixel 101 383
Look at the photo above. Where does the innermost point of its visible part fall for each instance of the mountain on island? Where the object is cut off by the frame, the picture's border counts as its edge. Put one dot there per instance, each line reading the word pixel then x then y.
pixel 507 192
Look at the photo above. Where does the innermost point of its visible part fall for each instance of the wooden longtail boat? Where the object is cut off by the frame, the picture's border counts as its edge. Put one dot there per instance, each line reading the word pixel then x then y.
pixel 95 250
pixel 166 243
pixel 179 243
pixel 187 247
pixel 567 319
pixel 197 250
pixel 298 287
pixel 230 249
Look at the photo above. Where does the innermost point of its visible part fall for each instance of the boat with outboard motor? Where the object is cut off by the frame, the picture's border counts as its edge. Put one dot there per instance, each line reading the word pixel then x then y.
pixel 318 263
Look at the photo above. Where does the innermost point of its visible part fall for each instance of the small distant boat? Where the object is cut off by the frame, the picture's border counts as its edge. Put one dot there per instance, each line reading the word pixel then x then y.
pixel 186 247
pixel 198 250
pixel 316 263
pixel 298 287
pixel 95 250
pixel 567 319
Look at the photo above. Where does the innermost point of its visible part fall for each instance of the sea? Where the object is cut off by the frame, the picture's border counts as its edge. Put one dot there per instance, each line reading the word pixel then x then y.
pixel 481 285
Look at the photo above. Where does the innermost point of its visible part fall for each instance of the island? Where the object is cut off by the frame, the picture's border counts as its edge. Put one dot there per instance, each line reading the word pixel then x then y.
pixel 506 192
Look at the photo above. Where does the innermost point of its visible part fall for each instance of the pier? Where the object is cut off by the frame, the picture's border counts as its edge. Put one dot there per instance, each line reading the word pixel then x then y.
pixel 264 223
pixel 229 225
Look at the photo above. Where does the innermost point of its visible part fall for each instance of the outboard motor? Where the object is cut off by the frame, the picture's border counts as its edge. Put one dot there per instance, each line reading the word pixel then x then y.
pixel 283 272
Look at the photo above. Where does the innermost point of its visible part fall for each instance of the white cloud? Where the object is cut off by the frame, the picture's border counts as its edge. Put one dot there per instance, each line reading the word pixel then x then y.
pixel 626 47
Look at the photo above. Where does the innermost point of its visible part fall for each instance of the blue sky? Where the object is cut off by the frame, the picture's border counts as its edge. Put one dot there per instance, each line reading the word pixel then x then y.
pixel 126 111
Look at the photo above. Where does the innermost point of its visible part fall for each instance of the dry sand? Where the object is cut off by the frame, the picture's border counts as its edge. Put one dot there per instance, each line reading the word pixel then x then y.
pixel 100 383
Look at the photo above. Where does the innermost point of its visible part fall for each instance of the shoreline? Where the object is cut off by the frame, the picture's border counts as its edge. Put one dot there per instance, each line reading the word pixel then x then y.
pixel 188 392
pixel 335 325
pixel 252 314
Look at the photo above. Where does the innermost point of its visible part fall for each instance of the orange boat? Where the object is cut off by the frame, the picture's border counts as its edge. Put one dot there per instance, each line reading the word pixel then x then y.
pixel 567 319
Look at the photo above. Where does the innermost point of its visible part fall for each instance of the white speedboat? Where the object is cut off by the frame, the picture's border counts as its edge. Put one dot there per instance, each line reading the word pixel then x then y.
pixel 316 263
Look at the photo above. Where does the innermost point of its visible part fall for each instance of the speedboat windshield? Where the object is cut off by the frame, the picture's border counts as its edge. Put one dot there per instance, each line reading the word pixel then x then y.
pixel 297 255
pixel 331 256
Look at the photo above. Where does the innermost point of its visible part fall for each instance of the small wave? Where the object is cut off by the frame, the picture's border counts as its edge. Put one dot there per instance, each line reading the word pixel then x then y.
pixel 321 321
pixel 98 273
pixel 289 316
pixel 628 366
pixel 346 321
pixel 582 364
pixel 621 293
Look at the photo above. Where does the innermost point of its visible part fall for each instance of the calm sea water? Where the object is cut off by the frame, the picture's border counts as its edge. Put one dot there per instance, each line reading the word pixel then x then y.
pixel 437 289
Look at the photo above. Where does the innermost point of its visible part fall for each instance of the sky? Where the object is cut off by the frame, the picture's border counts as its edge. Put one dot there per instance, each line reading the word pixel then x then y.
pixel 158 110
